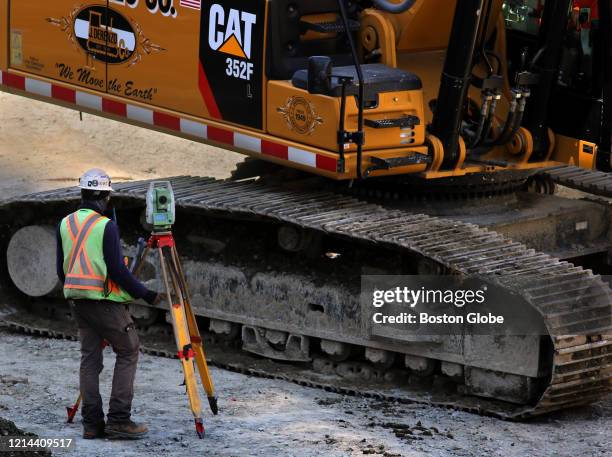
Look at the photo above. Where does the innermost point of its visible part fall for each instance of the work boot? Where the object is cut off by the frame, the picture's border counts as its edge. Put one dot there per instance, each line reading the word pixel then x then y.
pixel 128 430
pixel 92 432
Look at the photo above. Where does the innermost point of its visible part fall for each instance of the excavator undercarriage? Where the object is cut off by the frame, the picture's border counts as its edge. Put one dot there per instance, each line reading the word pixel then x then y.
pixel 277 271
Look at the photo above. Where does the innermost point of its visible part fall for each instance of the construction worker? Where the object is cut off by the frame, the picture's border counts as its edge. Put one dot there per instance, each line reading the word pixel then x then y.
pixel 99 285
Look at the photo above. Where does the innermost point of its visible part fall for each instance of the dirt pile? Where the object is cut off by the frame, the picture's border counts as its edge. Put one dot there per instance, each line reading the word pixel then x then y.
pixel 7 428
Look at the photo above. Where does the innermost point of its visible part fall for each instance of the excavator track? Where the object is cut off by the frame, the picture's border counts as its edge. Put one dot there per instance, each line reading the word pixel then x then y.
pixel 580 330
pixel 590 181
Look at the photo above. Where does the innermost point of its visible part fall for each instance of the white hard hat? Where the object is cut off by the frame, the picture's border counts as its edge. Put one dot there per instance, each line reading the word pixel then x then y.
pixel 96 179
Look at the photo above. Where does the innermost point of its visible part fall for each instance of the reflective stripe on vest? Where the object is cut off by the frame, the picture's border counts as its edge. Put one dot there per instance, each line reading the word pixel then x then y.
pixel 76 282
pixel 73 226
pixel 85 280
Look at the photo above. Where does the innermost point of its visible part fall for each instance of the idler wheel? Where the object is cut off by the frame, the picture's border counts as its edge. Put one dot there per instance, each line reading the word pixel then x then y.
pixel 31 260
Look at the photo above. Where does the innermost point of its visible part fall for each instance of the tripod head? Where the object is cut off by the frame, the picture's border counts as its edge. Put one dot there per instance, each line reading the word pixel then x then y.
pixel 160 206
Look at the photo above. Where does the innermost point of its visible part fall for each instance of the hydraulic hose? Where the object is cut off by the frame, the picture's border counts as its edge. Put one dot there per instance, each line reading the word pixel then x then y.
pixel 519 117
pixel 484 114
pixel 518 120
pixel 497 59
pixel 395 8
pixel 505 135
pixel 488 122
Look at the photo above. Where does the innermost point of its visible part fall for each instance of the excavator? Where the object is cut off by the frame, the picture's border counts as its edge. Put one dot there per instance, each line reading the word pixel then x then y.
pixel 384 137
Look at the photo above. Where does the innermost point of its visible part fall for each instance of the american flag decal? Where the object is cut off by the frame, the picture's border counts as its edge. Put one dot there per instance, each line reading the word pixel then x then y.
pixel 193 4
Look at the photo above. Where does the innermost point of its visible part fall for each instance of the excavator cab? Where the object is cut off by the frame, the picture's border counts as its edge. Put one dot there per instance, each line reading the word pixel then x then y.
pixel 300 29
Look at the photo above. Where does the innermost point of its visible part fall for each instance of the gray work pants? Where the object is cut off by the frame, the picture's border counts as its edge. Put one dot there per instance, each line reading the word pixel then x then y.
pixel 110 321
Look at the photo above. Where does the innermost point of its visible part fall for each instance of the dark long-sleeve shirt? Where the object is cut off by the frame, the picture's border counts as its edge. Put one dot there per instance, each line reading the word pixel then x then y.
pixel 113 257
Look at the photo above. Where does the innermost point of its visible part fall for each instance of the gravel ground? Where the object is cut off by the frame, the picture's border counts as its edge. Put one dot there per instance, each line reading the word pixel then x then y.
pixel 38 378
pixel 44 147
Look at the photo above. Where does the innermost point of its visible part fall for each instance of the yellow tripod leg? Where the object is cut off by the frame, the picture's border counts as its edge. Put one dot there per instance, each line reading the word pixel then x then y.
pixel 200 357
pixel 196 338
pixel 184 346
pixel 207 382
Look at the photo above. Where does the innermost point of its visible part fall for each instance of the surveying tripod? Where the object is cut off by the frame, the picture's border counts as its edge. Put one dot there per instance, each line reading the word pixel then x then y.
pixel 186 333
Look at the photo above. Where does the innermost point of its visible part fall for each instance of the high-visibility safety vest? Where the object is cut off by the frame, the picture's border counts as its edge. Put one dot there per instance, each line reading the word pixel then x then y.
pixel 82 235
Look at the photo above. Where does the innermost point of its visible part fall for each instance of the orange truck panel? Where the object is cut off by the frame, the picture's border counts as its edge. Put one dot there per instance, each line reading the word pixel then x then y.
pixel 43 42
pixel 149 51
pixel 299 116
pixel 163 69
pixel 575 152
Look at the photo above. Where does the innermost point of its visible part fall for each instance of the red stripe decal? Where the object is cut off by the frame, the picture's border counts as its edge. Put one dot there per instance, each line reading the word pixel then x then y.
pixel 327 163
pixel 167 121
pixel 63 94
pixel 15 81
pixel 221 135
pixel 274 149
pixel 207 95
pixel 113 107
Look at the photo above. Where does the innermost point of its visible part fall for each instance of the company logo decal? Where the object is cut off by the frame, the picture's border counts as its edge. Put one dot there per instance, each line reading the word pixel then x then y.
pixel 231 65
pixel 300 115
pixel 231 32
pixel 105 35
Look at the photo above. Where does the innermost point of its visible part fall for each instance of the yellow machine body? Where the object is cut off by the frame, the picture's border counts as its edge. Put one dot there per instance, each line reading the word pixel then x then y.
pixel 198 70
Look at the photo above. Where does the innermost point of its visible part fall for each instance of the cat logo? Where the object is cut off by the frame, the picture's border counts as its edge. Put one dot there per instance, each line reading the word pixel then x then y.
pixel 231 32
pixel 231 60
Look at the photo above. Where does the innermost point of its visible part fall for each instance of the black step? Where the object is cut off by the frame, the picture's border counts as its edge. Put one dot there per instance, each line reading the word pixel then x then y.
pixel 487 162
pixel 395 162
pixel 330 27
pixel 401 122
